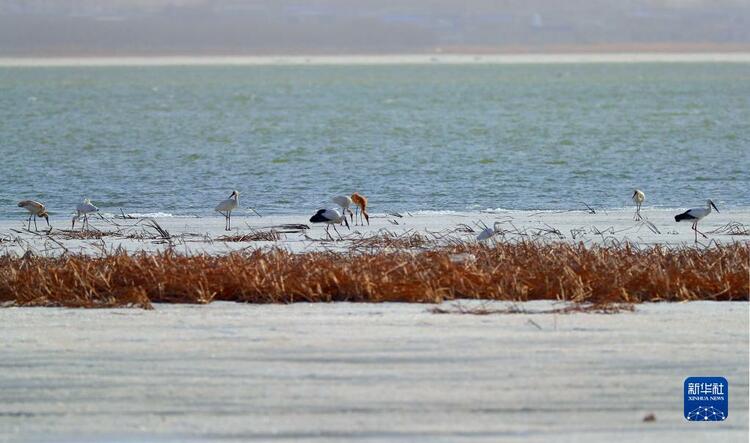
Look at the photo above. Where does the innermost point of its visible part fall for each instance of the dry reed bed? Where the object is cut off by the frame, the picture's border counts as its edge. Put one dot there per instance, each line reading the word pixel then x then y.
pixel 519 271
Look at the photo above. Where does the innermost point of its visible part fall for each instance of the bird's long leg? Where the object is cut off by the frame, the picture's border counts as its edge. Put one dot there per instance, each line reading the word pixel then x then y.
pixel 35 226
pixel 29 227
pixel 337 232
pixel 229 218
pixel 696 232
pixel 699 232
pixel 328 234
pixel 356 214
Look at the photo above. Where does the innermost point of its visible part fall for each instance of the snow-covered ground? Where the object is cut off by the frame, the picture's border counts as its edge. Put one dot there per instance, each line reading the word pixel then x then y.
pixel 196 235
pixel 387 372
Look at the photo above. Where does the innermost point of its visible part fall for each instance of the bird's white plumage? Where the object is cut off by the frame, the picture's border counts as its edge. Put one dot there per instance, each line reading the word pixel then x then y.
pixel 225 207
pixel 331 216
pixel 638 196
pixel 85 207
pixel 33 206
pixel 699 213
pixel 36 209
pixel 344 201
pixel 488 232
pixel 695 215
pixel 229 204
pixel 83 210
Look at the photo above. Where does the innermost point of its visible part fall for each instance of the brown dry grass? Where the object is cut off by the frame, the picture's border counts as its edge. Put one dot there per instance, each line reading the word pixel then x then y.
pixel 520 271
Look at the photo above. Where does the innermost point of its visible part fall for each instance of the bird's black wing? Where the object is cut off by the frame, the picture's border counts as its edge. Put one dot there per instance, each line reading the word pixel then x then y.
pixel 684 216
pixel 318 217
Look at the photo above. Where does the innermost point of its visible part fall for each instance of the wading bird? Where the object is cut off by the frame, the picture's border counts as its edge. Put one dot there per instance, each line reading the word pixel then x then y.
pixel 638 197
pixel 226 207
pixel 344 202
pixel 361 202
pixel 488 232
pixel 35 209
pixel 695 215
pixel 83 209
pixel 330 217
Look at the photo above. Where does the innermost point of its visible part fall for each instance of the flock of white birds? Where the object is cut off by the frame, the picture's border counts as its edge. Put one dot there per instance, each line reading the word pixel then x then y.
pixel 332 217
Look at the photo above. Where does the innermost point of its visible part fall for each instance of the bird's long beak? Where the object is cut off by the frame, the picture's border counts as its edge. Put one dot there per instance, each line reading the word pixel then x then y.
pixel 717 209
pixel 634 193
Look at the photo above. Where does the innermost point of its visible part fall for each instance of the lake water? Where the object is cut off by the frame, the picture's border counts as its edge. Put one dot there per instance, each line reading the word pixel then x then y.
pixel 177 140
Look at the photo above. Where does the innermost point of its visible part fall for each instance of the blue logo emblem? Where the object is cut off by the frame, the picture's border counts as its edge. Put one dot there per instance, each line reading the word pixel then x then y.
pixel 706 398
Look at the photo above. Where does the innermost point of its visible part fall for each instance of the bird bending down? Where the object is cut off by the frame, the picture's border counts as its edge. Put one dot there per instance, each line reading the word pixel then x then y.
pixel 695 215
pixel 330 217
pixel 638 198
pixel 361 202
pixel 488 232
pixel 344 202
pixel 83 209
pixel 226 207
pixel 35 209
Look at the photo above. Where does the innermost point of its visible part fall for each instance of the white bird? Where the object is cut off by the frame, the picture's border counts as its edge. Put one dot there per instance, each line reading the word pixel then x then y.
pixel 695 215
pixel 330 217
pixel 83 209
pixel 35 209
pixel 344 201
pixel 488 233
pixel 638 198
pixel 226 207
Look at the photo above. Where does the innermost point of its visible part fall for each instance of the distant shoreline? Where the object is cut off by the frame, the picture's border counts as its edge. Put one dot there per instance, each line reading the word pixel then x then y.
pixel 415 59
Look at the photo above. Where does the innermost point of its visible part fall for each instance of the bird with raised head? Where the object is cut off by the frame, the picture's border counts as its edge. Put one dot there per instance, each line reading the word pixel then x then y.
pixel 638 198
pixel 695 215
pixel 225 208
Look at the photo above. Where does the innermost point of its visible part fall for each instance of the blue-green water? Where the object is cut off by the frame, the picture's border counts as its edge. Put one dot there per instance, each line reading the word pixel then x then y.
pixel 429 137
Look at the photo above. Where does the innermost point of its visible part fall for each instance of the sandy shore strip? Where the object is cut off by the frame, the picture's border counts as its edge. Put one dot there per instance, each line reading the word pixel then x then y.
pixel 204 235
pixel 384 372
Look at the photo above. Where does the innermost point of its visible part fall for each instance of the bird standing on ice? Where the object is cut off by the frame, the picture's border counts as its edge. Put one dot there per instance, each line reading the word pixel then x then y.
pixel 330 217
pixel 344 202
pixel 695 215
pixel 83 209
pixel 638 198
pixel 361 202
pixel 35 209
pixel 226 207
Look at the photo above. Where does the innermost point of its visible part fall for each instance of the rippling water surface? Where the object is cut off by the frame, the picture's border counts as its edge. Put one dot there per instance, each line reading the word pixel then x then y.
pixel 410 137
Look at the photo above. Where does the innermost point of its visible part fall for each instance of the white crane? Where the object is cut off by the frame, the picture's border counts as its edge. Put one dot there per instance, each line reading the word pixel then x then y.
pixel 330 217
pixel 488 232
pixel 638 198
pixel 695 215
pixel 35 209
pixel 344 201
pixel 226 207
pixel 83 209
